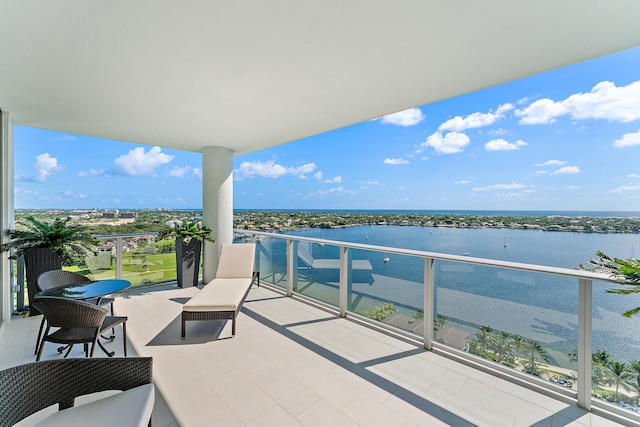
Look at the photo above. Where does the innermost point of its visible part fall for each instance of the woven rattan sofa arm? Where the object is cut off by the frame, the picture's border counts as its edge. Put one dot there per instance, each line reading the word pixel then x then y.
pixel 27 389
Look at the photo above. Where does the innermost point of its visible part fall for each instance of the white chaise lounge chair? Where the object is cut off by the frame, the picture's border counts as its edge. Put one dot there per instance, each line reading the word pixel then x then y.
pixel 222 297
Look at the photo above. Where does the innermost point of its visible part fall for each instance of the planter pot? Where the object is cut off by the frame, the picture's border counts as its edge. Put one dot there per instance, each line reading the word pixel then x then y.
pixel 188 262
pixel 36 262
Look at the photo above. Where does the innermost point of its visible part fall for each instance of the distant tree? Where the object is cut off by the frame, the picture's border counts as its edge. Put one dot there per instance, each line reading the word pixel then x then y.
pixel 535 354
pixel 503 345
pixel 619 376
pixel 483 339
pixel 634 369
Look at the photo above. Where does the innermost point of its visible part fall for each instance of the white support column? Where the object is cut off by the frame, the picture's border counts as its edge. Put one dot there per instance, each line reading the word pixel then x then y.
pixel 585 312
pixel 6 212
pixel 429 303
pixel 217 204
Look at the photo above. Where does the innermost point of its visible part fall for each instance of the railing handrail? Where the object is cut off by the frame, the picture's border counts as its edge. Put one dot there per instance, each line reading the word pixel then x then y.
pixel 110 236
pixel 535 268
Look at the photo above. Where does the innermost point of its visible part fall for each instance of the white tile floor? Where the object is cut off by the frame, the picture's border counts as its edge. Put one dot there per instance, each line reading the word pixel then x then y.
pixel 291 364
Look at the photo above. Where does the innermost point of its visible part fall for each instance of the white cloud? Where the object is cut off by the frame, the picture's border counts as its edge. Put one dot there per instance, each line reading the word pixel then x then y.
pixel 405 118
pixel 567 170
pixel 91 172
pixel 318 175
pixel 502 145
pixel 67 138
pixel 606 101
pixel 624 188
pixel 627 140
pixel 474 120
pixel 513 186
pixel 573 187
pixel 137 162
pixel 633 175
pixel 45 165
pixel 452 142
pixel 197 172
pixel 464 181
pixel 179 172
pixel 336 180
pixel 552 163
pixel 329 192
pixel 542 111
pixel 271 169
pixel 389 161
pixel 541 173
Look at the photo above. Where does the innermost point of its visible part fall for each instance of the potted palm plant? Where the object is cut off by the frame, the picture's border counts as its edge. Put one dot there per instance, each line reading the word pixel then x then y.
pixel 47 246
pixel 189 236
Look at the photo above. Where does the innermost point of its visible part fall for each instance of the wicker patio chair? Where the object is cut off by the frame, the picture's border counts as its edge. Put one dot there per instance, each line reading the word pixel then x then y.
pixel 78 322
pixel 56 278
pixel 29 388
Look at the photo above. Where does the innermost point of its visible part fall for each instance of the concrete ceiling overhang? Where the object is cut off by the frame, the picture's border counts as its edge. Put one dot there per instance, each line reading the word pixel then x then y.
pixel 253 74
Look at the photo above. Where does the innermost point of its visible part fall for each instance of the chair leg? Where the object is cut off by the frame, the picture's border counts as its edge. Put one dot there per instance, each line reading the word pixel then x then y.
pixel 39 335
pixel 69 347
pixel 41 346
pixel 124 338
pixel 183 327
pixel 233 326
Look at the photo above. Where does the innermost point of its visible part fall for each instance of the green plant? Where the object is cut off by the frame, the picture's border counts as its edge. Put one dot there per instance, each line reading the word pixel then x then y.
pixel 70 241
pixel 381 312
pixel 188 230
pixel 624 271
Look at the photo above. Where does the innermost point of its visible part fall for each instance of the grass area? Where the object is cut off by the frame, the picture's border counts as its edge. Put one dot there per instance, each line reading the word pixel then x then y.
pixel 152 268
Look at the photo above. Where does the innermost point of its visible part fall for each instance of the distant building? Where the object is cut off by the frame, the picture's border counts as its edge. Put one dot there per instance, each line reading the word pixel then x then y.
pixel 107 247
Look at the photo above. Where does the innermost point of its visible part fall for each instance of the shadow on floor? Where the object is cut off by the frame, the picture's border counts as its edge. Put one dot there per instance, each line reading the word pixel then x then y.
pixel 198 332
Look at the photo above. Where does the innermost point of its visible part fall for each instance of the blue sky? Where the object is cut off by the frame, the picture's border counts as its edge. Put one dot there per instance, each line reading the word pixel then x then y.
pixel 567 139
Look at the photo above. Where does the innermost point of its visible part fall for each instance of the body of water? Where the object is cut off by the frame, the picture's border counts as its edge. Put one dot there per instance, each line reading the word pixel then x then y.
pixel 538 306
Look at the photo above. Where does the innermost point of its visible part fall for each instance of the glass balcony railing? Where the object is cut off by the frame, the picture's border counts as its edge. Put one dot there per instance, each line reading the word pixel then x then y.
pixel 545 326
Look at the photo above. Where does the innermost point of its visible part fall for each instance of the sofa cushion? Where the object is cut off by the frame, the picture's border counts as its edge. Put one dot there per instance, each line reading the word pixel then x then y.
pixel 131 408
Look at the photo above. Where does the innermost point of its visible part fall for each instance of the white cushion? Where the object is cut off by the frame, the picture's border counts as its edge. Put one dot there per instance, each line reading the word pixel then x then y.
pixel 236 260
pixel 131 408
pixel 219 295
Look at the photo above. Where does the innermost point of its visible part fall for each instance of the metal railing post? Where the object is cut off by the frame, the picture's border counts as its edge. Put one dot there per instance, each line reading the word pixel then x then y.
pixel 585 310
pixel 429 302
pixel 118 257
pixel 344 280
pixel 291 270
pixel 19 283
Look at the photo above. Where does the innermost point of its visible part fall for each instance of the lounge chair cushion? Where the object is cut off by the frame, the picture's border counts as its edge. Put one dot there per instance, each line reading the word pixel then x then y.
pixel 219 295
pixel 238 261
pixel 132 407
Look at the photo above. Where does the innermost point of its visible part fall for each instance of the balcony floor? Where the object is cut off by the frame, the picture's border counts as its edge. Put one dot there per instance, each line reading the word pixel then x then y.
pixel 292 364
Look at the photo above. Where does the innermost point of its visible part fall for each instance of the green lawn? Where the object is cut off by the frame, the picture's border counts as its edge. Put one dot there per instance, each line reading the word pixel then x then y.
pixel 137 269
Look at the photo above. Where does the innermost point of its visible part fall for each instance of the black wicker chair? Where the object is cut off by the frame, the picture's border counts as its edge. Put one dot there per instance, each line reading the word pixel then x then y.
pixel 27 389
pixel 78 322
pixel 56 278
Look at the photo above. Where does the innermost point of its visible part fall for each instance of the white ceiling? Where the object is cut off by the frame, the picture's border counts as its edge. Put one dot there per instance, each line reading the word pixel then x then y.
pixel 255 73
